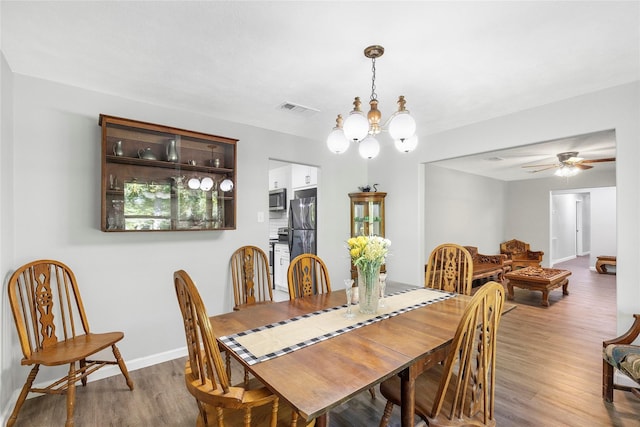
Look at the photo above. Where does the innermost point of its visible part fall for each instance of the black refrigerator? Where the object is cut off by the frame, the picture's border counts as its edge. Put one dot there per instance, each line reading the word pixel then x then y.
pixel 302 223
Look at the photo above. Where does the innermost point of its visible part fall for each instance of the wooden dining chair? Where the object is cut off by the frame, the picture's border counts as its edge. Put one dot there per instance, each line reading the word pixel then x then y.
pixel 460 391
pixel 307 275
pixel 250 276
pixel 449 268
pixel 53 330
pixel 219 402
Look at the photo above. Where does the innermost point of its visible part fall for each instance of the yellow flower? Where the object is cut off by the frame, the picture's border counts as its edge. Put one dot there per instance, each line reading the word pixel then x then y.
pixel 368 249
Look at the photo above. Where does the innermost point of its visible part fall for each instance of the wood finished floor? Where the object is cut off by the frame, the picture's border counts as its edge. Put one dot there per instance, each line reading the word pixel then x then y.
pixel 549 372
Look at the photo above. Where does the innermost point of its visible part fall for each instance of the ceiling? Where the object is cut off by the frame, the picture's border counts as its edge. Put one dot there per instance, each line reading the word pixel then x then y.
pixel 456 63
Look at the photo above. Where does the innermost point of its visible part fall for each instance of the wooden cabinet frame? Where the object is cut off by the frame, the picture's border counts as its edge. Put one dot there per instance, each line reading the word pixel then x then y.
pixel 138 165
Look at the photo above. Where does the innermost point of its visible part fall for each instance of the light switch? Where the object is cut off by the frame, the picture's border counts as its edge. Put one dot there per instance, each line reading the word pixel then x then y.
pixel 260 216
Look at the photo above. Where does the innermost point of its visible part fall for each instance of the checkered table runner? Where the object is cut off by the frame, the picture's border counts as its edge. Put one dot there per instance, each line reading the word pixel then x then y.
pixel 279 338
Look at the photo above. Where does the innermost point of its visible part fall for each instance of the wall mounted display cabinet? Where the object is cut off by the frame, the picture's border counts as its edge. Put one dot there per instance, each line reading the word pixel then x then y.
pixel 159 178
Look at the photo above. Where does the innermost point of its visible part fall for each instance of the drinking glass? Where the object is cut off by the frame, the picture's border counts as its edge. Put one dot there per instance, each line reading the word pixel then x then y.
pixel 383 285
pixel 348 288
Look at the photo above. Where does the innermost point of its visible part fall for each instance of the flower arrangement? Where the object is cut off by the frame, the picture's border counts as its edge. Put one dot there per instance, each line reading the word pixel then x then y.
pixel 368 254
pixel 368 250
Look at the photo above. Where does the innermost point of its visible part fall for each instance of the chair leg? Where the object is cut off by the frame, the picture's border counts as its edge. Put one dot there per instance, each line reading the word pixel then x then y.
pixel 123 367
pixel 372 391
pixel 607 381
pixel 71 394
pixel 388 408
pixel 23 395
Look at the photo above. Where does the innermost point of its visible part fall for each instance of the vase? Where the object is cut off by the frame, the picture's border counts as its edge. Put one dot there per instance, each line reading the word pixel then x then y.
pixel 172 153
pixel 368 287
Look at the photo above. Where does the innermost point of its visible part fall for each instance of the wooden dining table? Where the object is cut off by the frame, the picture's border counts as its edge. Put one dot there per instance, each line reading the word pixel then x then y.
pixel 322 376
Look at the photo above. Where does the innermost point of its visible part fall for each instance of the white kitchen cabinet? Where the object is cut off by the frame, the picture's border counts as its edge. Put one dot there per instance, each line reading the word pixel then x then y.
pixel 280 178
pixel 303 176
pixel 280 266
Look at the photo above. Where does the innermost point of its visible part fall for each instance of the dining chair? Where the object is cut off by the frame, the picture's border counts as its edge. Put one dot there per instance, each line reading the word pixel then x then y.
pixel 53 330
pixel 251 284
pixel 250 276
pixel 219 402
pixel 449 268
pixel 460 391
pixel 307 275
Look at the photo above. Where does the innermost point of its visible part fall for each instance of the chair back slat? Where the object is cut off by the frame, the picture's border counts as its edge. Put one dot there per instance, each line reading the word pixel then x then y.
pixel 469 371
pixel 307 275
pixel 449 268
pixel 207 369
pixel 250 276
pixel 46 305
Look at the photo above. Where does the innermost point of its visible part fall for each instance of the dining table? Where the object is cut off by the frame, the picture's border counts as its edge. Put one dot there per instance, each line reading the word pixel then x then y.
pixel 321 359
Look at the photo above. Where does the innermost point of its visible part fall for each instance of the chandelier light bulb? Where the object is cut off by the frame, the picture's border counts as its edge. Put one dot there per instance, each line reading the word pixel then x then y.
pixel 356 126
pixel 402 126
pixel 406 145
pixel 369 147
pixel 337 141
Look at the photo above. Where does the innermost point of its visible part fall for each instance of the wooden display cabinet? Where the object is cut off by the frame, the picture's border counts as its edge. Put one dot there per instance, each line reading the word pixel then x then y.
pixel 367 218
pixel 159 178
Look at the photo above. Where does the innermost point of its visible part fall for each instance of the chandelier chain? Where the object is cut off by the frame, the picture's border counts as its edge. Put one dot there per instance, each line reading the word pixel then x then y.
pixel 374 96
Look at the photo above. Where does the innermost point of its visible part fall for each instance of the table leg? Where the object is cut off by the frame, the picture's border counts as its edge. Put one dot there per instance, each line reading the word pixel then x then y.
pixel 545 298
pixel 565 290
pixel 407 396
pixel 509 290
pixel 323 420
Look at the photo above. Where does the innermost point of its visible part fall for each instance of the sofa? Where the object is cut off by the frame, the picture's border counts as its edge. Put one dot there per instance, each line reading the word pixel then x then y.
pixel 488 266
pixel 520 254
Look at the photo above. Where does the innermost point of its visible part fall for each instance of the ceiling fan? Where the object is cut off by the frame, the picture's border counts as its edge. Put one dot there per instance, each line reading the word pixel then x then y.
pixel 569 161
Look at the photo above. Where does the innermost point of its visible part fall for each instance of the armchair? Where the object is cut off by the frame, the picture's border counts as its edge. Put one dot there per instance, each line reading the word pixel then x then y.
pixel 520 254
pixel 488 266
pixel 621 354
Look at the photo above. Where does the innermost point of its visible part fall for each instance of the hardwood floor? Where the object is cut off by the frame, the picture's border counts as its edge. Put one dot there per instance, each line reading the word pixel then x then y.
pixel 549 373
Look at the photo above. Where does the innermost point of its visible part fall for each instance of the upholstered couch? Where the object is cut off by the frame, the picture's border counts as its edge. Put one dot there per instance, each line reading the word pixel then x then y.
pixel 520 254
pixel 488 266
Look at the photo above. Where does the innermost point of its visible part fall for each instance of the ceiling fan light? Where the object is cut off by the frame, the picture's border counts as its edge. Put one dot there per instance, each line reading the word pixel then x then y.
pixel 567 171
pixel 369 147
pixel 406 145
pixel 337 141
pixel 356 126
pixel 402 126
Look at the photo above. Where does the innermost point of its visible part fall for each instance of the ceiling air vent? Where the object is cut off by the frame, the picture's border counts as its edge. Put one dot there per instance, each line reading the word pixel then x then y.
pixel 297 108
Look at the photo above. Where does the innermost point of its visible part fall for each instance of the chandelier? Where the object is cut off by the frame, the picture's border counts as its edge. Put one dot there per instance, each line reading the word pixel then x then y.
pixel 363 129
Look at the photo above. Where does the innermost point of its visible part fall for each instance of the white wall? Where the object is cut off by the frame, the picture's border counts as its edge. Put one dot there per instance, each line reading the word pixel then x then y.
pixel 463 208
pixel 614 108
pixel 603 223
pixel 563 228
pixel 126 278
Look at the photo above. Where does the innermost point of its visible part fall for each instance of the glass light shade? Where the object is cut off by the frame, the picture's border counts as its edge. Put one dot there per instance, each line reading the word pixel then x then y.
pixel 206 184
pixel 406 145
pixel 369 147
pixel 567 171
pixel 337 142
pixel 356 126
pixel 402 126
pixel 194 183
pixel 226 185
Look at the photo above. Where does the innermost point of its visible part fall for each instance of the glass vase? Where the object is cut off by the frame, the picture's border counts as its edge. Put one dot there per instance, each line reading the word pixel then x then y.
pixel 368 287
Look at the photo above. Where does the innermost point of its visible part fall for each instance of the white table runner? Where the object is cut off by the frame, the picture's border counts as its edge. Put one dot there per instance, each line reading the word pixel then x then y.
pixel 276 339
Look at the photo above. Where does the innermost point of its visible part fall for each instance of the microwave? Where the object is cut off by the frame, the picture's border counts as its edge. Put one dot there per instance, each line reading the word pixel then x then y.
pixel 278 199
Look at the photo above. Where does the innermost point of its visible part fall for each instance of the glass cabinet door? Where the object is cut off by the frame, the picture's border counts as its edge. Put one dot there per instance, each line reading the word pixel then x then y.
pixel 367 214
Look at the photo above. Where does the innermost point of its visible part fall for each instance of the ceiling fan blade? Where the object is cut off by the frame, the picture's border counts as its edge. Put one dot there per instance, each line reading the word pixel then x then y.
pixel 608 159
pixel 582 166
pixel 545 168
pixel 554 165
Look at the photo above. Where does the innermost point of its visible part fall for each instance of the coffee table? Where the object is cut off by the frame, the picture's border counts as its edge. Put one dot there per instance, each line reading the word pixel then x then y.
pixel 538 279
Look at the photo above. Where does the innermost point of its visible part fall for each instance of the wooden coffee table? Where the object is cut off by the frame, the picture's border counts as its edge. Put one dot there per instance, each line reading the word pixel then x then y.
pixel 538 279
